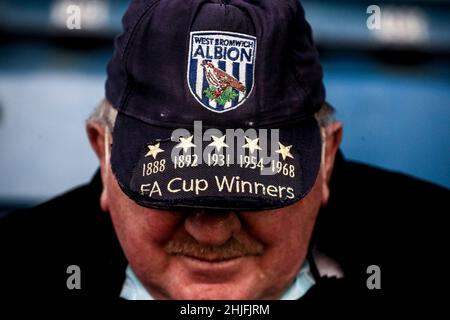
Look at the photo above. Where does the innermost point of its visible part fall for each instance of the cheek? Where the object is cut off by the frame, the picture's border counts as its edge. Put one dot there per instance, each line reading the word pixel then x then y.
pixel 140 230
pixel 286 233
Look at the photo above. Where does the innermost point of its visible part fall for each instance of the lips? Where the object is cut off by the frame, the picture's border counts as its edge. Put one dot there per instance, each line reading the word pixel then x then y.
pixel 213 270
pixel 214 258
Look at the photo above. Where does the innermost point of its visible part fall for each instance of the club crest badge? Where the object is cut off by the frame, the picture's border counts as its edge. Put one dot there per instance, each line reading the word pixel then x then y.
pixel 221 68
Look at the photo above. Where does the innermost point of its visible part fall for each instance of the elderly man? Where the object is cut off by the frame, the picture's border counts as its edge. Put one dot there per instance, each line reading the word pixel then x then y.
pixel 220 175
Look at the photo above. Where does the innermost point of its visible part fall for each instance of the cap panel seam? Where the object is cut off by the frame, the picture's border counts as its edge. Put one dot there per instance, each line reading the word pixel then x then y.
pixel 135 26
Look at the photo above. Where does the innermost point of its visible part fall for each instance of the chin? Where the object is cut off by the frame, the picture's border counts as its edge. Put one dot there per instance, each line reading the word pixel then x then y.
pixel 214 292
pixel 192 279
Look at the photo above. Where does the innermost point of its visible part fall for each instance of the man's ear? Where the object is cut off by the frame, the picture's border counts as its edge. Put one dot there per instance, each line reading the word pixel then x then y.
pixel 333 138
pixel 96 133
pixel 99 137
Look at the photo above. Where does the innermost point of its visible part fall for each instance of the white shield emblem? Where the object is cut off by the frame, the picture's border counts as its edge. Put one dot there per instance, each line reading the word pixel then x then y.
pixel 221 68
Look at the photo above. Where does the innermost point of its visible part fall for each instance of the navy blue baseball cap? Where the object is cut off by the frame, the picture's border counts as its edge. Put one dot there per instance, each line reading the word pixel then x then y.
pixel 216 103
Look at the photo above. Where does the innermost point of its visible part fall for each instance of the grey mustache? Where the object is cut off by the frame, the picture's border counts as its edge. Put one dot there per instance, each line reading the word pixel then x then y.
pixel 229 250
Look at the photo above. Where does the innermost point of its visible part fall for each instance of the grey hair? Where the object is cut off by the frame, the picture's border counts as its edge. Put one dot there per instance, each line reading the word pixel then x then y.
pixel 326 115
pixel 105 115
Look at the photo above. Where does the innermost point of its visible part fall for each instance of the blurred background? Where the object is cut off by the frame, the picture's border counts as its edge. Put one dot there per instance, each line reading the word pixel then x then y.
pixel 390 85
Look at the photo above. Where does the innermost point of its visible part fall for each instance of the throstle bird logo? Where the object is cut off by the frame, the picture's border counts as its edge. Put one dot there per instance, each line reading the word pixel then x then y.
pixel 221 84
pixel 221 68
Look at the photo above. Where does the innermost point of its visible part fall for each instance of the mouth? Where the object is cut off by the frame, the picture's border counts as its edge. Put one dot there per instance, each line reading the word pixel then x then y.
pixel 211 270
pixel 212 258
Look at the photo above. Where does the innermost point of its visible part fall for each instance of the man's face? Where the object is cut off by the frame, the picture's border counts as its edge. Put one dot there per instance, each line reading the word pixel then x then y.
pixel 198 254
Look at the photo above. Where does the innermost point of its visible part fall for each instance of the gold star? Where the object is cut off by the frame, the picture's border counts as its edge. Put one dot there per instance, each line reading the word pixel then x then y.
pixel 153 150
pixel 252 144
pixel 185 143
pixel 285 151
pixel 219 143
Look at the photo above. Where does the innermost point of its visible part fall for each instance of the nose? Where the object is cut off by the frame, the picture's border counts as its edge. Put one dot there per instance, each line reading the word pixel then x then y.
pixel 210 227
